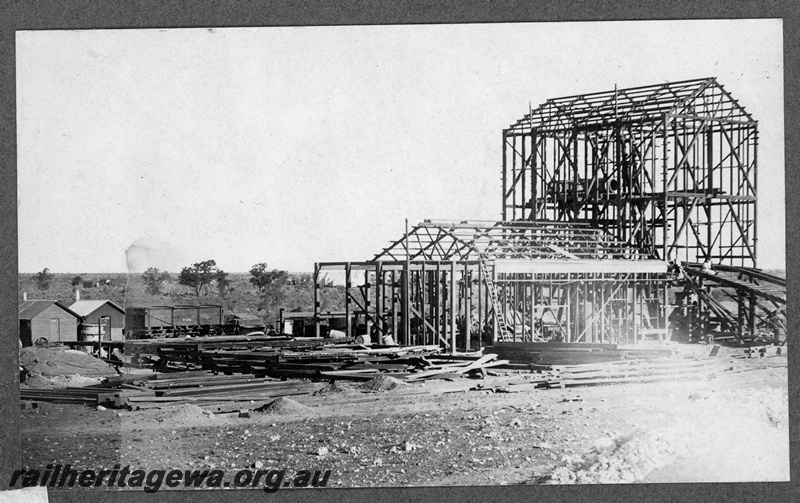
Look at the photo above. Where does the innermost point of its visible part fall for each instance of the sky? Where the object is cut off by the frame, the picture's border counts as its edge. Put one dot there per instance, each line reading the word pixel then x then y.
pixel 295 145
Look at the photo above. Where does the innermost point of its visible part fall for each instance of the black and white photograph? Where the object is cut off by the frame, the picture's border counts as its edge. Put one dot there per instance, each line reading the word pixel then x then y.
pixel 430 255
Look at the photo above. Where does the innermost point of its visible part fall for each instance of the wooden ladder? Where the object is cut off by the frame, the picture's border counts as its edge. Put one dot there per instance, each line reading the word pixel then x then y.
pixel 499 314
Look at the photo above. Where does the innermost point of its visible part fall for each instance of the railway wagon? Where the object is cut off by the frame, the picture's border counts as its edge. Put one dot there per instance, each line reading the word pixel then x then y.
pixel 147 322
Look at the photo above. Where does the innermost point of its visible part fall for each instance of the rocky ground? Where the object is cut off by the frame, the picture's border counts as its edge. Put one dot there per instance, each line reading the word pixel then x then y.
pixel 732 427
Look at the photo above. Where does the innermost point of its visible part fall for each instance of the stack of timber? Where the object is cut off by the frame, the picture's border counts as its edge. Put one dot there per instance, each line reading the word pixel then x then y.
pixel 311 358
pixel 568 376
pixel 340 361
pixel 185 354
pixel 562 353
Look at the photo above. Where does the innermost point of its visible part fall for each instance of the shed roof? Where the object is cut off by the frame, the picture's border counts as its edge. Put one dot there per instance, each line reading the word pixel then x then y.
pixel 699 97
pixel 87 307
pixel 30 309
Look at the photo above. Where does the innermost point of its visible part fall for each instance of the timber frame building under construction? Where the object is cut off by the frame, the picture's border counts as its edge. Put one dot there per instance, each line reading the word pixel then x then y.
pixel 601 193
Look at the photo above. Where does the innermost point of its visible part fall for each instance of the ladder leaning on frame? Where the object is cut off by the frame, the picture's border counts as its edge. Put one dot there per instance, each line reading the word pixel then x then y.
pixel 499 314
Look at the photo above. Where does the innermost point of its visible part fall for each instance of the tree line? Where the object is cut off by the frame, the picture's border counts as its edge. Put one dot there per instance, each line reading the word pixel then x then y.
pixel 262 291
pixel 201 276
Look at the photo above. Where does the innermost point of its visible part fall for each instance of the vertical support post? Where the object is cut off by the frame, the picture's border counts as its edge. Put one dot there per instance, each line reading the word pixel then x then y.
pixel 481 322
pixel 495 323
pixel 453 306
pixel 379 300
pixel 755 193
pixel 436 301
pixel 603 310
pixel 348 315
pixel 576 177
pixel 394 309
pixel 534 175
pixel 445 296
pixel 515 312
pixel 406 278
pixel 663 321
pixel 367 321
pixel 467 306
pixel 532 308
pixel 709 152
pixel 523 167
pixel 751 316
pixel 513 177
pixel 423 299
pixel 505 181
pixel 405 311
pixel 665 208
pixel 316 299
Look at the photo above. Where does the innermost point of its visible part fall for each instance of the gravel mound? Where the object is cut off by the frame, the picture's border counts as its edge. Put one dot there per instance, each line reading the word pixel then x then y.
pixel 382 383
pixel 332 388
pixel 51 362
pixel 283 405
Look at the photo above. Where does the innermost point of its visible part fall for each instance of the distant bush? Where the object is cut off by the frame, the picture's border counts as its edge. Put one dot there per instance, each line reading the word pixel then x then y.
pixel 43 279
pixel 154 279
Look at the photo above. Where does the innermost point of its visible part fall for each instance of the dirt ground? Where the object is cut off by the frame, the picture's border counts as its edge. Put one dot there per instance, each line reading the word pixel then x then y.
pixel 731 427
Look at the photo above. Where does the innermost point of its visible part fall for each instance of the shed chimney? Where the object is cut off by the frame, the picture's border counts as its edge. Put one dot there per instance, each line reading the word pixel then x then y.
pixel 77 293
pixel 24 295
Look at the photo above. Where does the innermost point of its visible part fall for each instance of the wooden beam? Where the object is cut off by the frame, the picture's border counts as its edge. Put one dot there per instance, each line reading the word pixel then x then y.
pixel 453 307
pixel 348 317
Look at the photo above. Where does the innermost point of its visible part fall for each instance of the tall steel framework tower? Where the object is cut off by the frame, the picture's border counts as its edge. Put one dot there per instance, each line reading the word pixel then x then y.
pixel 670 169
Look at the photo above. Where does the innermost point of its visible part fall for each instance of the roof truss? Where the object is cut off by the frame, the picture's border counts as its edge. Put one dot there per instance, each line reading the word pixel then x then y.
pixel 473 240
pixel 697 98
